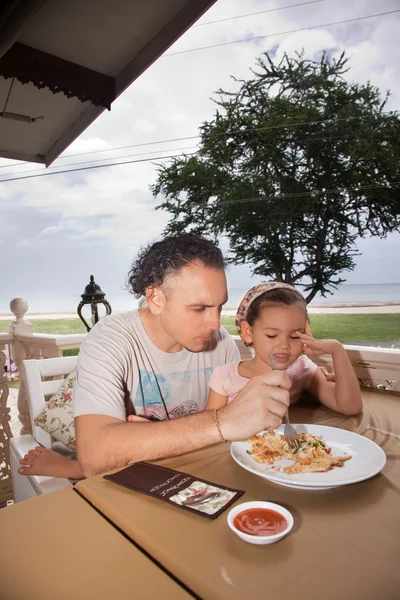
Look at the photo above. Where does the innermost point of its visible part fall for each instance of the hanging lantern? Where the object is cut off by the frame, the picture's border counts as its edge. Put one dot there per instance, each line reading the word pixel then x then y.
pixel 94 297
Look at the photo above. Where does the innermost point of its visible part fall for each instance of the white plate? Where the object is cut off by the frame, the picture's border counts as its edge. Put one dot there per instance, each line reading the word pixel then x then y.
pixel 306 487
pixel 367 460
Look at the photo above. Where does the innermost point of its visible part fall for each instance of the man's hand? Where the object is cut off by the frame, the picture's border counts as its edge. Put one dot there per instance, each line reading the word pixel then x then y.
pixel 261 404
pixel 313 347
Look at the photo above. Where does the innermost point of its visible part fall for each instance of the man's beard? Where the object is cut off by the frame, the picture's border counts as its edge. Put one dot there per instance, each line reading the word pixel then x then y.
pixel 210 345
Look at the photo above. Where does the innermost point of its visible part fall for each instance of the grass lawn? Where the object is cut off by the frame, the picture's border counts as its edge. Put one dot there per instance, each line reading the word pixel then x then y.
pixel 345 328
pixel 55 326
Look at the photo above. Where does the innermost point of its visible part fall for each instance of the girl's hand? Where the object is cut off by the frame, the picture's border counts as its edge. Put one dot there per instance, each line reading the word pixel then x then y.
pixel 313 347
pixel 308 328
pixel 328 376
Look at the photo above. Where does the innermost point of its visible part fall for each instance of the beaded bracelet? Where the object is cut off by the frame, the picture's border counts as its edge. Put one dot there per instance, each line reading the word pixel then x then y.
pixel 218 426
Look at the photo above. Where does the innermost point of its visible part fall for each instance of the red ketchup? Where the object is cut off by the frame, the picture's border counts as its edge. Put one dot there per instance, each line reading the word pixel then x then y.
pixel 260 521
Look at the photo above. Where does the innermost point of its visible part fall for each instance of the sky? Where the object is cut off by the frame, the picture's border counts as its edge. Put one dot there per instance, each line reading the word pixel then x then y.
pixel 56 231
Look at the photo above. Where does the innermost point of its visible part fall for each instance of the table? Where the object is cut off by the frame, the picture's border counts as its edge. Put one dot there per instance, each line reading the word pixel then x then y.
pixel 345 542
pixel 56 546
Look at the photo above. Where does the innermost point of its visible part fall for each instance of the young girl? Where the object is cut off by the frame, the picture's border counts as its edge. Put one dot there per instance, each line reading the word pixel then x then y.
pixel 272 318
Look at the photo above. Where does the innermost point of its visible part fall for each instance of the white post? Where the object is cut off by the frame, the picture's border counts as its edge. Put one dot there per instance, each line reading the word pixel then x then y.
pixel 21 326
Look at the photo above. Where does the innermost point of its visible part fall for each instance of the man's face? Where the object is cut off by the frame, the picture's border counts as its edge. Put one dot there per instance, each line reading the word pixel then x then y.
pixel 194 300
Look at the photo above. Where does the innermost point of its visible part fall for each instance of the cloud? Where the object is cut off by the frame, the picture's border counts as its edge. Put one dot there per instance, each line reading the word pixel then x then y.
pixel 59 228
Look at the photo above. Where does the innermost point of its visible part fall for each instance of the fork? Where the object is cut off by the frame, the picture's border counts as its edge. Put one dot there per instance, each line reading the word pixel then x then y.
pixel 383 431
pixel 289 433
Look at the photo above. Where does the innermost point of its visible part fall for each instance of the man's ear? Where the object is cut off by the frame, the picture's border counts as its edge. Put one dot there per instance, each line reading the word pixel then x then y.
pixel 155 299
pixel 246 332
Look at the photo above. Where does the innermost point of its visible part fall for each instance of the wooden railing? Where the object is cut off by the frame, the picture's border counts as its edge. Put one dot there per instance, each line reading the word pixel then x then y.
pixel 5 434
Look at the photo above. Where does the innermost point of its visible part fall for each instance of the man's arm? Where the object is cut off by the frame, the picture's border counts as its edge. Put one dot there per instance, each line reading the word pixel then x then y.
pixel 106 443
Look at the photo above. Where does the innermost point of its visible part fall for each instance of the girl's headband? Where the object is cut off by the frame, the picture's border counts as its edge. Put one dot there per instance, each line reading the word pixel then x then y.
pixel 255 292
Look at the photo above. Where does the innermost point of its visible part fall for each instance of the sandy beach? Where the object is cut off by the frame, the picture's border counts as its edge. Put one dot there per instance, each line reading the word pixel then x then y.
pixel 333 309
pixel 352 309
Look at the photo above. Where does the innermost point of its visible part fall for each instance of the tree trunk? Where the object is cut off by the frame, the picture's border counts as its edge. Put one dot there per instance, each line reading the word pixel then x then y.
pixel 311 295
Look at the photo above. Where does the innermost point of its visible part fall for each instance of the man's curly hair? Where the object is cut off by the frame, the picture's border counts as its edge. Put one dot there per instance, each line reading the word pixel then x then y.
pixel 156 261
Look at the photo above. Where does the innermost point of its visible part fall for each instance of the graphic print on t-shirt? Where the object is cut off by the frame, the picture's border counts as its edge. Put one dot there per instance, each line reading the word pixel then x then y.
pixel 172 388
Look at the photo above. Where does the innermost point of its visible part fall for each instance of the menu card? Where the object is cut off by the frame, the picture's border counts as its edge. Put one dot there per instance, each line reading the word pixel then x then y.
pixel 179 489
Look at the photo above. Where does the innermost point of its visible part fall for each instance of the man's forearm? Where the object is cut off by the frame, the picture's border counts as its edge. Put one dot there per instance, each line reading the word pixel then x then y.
pixel 104 444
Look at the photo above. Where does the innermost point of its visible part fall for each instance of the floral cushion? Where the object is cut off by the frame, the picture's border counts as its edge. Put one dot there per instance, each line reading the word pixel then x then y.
pixel 57 418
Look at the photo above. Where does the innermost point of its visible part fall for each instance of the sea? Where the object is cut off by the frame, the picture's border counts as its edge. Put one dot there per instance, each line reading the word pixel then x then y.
pixel 346 294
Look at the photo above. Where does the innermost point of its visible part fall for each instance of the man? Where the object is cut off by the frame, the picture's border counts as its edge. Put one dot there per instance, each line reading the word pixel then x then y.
pixel 156 363
pixel 152 366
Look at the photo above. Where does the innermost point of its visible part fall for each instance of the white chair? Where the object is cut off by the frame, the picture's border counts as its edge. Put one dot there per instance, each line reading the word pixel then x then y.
pixel 33 373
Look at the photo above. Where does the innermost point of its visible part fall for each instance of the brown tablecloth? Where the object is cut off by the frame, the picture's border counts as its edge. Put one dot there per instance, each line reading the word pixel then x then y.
pixel 345 544
pixel 57 547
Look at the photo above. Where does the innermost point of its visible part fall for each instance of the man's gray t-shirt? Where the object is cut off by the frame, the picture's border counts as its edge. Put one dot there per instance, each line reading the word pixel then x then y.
pixel 121 372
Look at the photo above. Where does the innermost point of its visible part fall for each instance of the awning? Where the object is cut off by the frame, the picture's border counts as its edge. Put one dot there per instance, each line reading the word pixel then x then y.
pixel 62 62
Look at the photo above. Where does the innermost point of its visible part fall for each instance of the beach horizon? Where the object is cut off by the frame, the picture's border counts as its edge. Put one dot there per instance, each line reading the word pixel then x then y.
pixel 334 308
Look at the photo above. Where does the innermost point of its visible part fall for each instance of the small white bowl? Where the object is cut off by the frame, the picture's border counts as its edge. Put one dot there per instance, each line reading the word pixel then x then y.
pixel 260 539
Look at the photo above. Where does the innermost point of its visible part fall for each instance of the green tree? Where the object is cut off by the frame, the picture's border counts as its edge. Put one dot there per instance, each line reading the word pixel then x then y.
pixel 296 164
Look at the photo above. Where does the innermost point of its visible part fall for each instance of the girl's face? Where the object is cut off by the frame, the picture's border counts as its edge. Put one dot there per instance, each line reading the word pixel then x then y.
pixel 275 332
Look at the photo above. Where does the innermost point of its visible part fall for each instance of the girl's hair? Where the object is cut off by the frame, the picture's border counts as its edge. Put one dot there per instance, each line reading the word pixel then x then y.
pixel 275 297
